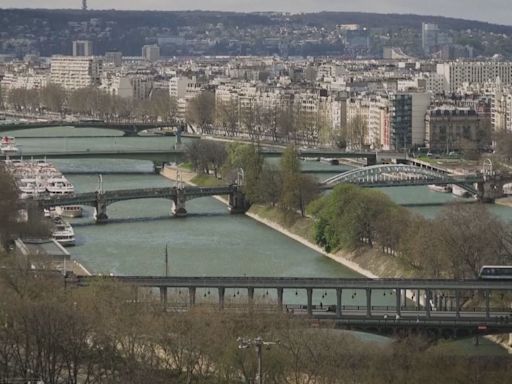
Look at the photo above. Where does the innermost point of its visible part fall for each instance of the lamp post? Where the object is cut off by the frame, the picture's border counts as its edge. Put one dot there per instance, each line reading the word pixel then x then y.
pixel 258 343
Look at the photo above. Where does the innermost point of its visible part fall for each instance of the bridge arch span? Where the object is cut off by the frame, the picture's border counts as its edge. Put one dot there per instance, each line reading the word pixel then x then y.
pixel 394 174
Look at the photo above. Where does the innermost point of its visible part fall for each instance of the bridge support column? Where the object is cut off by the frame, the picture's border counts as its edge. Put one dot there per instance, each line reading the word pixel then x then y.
pixel 237 202
pixel 178 209
pixel 428 295
pixel 487 304
pixel 309 292
pixel 280 292
pixel 192 296
pixel 490 189
pixel 339 292
pixel 250 296
pixel 368 302
pixel 418 300
pixel 101 210
pixel 457 304
pixel 398 301
pixel 222 292
pixel 163 296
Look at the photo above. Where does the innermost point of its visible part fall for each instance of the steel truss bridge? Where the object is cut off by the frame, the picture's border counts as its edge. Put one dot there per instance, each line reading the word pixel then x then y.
pixel 391 175
pixel 431 307
pixel 178 195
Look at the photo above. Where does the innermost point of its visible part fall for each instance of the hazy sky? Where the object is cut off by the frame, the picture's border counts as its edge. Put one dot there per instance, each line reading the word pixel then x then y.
pixel 498 11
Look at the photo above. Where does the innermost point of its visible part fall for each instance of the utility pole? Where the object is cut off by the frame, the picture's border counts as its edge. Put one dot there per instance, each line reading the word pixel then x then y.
pixel 258 343
pixel 166 260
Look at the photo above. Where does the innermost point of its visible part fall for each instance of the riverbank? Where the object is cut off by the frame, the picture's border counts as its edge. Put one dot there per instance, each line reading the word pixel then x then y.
pixel 505 201
pixel 366 262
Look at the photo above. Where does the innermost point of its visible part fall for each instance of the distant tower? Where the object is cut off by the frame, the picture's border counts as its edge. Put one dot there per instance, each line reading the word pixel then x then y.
pixel 84 5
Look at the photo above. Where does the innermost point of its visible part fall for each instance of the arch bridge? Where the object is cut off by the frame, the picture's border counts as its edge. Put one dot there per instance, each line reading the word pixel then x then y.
pixel 100 200
pixel 486 186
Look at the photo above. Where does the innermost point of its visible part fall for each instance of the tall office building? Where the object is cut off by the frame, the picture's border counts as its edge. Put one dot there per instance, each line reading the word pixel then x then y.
pixel 75 72
pixel 400 121
pixel 151 52
pixel 429 37
pixel 82 48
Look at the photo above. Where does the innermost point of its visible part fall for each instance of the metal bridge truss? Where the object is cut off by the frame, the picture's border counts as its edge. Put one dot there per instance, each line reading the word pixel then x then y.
pixel 396 175
pixel 110 197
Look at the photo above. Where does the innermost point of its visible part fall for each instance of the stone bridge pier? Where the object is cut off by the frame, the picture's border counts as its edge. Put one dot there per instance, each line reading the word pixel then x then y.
pixel 238 203
pixel 490 189
pixel 101 209
pixel 178 204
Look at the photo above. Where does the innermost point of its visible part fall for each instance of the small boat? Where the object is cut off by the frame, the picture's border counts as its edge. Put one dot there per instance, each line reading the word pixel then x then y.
pixel 440 188
pixel 63 232
pixel 8 146
pixel 69 211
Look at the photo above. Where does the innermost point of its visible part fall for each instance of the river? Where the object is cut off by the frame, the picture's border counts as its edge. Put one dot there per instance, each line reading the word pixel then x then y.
pixel 209 241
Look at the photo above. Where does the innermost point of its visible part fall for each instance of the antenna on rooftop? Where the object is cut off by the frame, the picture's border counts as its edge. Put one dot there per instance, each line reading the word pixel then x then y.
pixel 84 5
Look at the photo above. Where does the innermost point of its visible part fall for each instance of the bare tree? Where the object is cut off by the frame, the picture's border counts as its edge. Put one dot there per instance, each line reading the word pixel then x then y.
pixel 357 132
pixel 201 111
pixel 53 97
pixel 229 117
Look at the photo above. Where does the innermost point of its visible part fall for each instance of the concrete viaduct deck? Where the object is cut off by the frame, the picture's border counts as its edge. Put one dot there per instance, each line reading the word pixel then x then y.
pixel 434 316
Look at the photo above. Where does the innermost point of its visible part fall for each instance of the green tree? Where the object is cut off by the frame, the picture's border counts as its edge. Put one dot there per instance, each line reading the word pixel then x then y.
pixel 290 177
pixel 247 158
pixel 349 216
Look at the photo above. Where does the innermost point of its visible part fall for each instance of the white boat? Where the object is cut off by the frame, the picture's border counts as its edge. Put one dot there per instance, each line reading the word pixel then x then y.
pixel 30 188
pixel 8 146
pixel 63 232
pixel 460 192
pixel 59 186
pixel 50 212
pixel 69 211
pixel 440 188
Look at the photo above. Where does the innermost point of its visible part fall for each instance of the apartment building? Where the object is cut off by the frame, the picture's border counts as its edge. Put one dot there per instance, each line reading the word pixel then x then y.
pixel 458 74
pixel 183 89
pixel 76 72
pixel 448 127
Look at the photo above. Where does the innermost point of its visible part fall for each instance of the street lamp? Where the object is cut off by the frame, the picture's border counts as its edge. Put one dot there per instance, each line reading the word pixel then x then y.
pixel 258 343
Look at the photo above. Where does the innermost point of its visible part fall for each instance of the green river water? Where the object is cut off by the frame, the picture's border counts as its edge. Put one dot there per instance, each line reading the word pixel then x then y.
pixel 209 242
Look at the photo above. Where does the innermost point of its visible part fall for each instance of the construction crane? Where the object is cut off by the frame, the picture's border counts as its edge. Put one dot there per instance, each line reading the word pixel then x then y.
pixel 84 5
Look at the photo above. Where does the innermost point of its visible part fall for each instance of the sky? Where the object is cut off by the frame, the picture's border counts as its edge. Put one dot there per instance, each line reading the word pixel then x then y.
pixel 495 11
